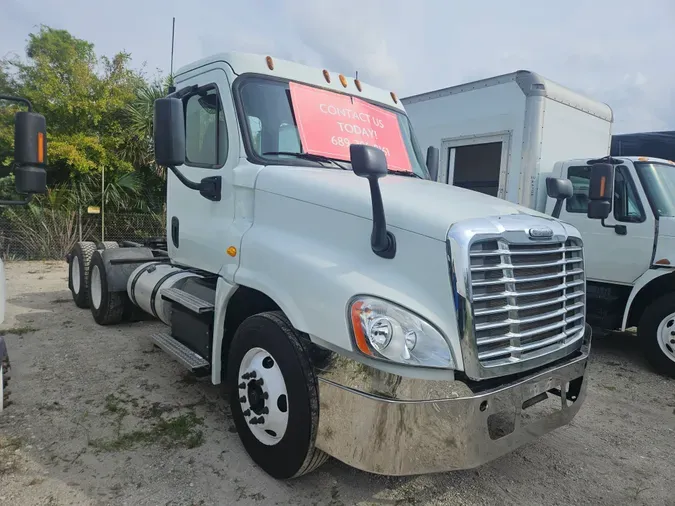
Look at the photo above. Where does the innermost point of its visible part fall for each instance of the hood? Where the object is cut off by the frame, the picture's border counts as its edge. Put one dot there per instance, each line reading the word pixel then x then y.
pixel 417 205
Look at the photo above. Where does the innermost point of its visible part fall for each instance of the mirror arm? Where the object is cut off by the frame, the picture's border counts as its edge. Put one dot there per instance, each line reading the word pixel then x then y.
pixel 558 208
pixel 382 242
pixel 18 99
pixel 25 201
pixel 190 184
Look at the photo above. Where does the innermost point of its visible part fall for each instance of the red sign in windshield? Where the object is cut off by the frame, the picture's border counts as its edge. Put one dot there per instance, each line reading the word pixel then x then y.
pixel 329 122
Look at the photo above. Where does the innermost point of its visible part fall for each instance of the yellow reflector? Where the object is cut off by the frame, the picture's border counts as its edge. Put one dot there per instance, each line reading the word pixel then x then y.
pixel 270 63
pixel 343 80
pixel 393 97
pixel 326 76
pixel 41 147
pixel 232 251
pixel 603 180
pixel 663 261
pixel 643 158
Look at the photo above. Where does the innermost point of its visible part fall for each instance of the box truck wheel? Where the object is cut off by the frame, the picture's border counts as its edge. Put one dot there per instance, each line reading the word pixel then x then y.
pixel 657 330
pixel 107 307
pixel 274 396
pixel 78 272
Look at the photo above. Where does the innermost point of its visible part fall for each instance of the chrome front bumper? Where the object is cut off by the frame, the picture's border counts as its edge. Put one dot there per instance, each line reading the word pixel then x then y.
pixel 391 425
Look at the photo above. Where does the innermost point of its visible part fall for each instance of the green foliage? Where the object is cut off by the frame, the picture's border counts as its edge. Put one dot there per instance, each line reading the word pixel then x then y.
pixel 84 98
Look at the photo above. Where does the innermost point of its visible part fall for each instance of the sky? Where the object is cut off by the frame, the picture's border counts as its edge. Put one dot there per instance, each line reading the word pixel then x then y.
pixel 615 51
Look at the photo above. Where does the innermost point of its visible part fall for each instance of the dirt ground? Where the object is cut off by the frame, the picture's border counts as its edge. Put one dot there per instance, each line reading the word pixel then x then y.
pixel 100 416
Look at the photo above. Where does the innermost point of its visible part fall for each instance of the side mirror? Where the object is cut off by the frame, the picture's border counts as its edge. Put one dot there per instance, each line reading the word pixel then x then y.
pixel 169 132
pixel 558 189
pixel 432 162
pixel 367 161
pixel 600 191
pixel 371 163
pixel 30 152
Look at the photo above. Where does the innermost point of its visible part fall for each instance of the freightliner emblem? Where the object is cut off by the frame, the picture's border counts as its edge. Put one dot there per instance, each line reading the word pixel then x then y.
pixel 541 233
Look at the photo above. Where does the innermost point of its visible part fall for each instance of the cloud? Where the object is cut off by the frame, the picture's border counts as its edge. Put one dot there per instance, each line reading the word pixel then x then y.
pixel 611 51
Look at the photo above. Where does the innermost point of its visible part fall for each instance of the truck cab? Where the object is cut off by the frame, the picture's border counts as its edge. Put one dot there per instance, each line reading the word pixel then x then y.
pixel 30 160
pixel 352 306
pixel 630 256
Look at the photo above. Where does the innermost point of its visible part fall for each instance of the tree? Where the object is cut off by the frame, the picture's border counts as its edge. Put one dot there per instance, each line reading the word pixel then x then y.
pixel 84 98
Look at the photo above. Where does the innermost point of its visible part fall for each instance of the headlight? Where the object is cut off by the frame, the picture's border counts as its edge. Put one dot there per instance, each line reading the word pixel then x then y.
pixel 384 330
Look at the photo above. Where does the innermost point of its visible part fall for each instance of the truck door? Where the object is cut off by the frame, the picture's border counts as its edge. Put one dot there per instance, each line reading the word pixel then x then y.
pixel 200 230
pixel 477 163
pixel 612 256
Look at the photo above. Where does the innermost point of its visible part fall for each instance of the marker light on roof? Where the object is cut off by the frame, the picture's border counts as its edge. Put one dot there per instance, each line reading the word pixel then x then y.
pixel 393 97
pixel 270 62
pixel 358 84
pixel 643 158
pixel 326 75
pixel 343 80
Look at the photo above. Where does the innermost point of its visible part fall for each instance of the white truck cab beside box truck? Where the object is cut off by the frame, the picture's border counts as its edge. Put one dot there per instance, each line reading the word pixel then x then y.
pixel 506 135
pixel 368 318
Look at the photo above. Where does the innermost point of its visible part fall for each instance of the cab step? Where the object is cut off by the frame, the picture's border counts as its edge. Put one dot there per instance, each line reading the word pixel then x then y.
pixel 187 300
pixel 180 352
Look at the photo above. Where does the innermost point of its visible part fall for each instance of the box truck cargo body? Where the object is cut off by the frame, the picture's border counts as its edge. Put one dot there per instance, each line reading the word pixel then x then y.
pixel 500 135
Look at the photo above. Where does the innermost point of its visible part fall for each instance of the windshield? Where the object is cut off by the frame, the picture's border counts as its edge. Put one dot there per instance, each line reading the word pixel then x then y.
pixel 658 180
pixel 290 124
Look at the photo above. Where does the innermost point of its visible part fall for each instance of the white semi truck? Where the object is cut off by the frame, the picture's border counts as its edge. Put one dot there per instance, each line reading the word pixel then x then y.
pixel 352 307
pixel 30 160
pixel 507 135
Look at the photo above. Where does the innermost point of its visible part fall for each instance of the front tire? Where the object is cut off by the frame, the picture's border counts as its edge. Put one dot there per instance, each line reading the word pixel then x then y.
pixel 78 272
pixel 277 419
pixel 107 308
pixel 657 330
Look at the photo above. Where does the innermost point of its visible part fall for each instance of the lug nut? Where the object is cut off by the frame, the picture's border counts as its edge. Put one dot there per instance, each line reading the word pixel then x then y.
pixel 245 376
pixel 261 419
pixel 257 421
pixel 247 412
pixel 242 399
pixel 242 385
pixel 265 411
pixel 265 395
pixel 261 382
pixel 252 374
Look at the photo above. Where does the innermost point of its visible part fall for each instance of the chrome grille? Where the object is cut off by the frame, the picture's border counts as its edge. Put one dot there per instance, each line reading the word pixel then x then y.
pixel 527 300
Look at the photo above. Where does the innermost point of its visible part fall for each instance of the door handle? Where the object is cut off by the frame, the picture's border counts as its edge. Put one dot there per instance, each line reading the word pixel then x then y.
pixel 174 230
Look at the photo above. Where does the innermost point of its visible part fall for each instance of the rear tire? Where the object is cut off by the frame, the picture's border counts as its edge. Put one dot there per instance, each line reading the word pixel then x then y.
pixel 107 245
pixel 657 330
pixel 107 308
pixel 267 344
pixel 78 272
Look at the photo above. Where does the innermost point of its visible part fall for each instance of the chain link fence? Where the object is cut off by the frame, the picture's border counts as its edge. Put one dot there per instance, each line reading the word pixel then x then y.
pixel 31 233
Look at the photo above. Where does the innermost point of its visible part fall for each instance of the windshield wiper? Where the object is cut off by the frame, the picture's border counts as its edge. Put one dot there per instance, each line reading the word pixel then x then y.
pixel 407 173
pixel 308 156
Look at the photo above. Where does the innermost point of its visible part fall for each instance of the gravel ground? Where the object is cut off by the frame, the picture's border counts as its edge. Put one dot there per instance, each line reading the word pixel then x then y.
pixel 101 417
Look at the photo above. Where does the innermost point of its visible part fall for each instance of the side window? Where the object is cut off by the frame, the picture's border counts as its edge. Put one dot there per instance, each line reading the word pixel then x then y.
pixel 580 177
pixel 206 142
pixel 627 205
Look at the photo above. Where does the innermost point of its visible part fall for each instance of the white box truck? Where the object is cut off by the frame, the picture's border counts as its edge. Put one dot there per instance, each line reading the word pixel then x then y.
pixel 353 307
pixel 506 135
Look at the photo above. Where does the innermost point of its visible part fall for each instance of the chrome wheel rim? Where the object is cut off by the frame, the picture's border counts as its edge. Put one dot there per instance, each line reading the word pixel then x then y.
pixel 95 287
pixel 75 274
pixel 263 397
pixel 665 335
